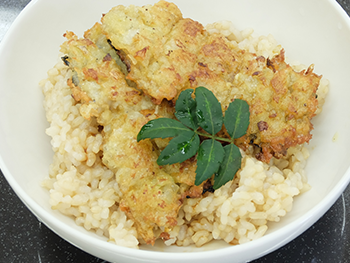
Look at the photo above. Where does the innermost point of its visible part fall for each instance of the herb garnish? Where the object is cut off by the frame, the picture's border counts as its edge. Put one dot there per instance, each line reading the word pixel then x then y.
pixel 202 112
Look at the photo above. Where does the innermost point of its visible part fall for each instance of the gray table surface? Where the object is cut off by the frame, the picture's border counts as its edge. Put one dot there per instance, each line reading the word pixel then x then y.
pixel 24 239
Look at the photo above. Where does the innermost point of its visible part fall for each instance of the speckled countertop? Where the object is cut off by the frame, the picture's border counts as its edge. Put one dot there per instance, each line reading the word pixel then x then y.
pixel 24 239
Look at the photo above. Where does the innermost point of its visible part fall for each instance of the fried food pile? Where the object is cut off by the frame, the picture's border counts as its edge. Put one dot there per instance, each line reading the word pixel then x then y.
pixel 131 67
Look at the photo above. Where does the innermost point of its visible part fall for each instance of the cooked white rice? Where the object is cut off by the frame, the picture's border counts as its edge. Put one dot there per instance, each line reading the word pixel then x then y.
pixel 82 187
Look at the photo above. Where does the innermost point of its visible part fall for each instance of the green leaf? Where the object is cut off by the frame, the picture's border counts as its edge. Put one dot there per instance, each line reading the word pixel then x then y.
pixel 186 109
pixel 209 113
pixel 203 111
pixel 210 155
pixel 229 166
pixel 180 148
pixel 161 128
pixel 236 118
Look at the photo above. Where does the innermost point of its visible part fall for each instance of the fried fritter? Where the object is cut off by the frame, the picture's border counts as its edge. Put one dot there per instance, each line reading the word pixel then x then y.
pixel 282 103
pixel 97 81
pixel 184 55
pixel 152 195
pixel 165 59
pixel 162 53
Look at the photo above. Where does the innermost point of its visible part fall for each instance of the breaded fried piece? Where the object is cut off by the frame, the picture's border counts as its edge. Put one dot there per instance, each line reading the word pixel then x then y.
pixel 165 54
pixel 164 59
pixel 282 104
pixel 97 81
pixel 138 33
pixel 282 101
pixel 152 195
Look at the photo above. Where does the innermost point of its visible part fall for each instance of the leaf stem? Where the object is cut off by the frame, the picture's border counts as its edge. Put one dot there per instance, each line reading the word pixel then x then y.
pixel 214 137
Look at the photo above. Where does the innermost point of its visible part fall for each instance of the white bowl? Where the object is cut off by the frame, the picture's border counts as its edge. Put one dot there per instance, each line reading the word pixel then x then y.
pixel 311 31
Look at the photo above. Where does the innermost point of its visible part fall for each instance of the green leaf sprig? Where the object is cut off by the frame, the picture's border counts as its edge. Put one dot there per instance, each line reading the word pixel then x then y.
pixel 202 112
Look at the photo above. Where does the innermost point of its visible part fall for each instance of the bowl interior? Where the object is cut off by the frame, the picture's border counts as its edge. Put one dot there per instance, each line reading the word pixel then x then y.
pixel 312 32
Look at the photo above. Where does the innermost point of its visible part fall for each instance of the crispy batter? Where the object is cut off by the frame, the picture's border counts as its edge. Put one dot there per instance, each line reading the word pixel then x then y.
pixel 282 101
pixel 97 79
pixel 163 60
pixel 282 104
pixel 152 195
pixel 163 54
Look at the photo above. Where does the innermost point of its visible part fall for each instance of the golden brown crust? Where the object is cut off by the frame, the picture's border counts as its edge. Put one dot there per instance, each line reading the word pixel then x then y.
pixel 165 54
pixel 151 197
pixel 282 101
pixel 281 110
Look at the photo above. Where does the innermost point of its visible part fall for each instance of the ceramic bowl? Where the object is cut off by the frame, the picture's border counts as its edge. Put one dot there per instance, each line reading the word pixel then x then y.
pixel 313 32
